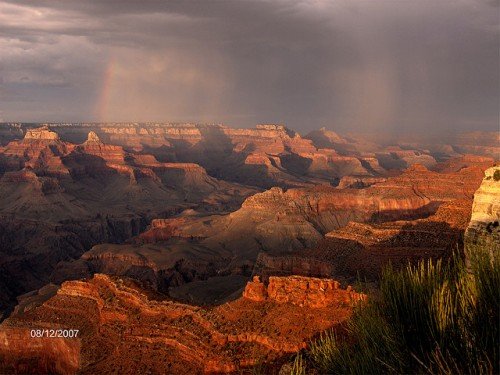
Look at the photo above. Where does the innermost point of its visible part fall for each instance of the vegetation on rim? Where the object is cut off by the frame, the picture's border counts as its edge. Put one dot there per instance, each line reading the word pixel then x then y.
pixel 436 318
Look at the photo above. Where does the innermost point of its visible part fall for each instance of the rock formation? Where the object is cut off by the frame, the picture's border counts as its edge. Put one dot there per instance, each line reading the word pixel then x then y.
pixel 398 158
pixel 324 138
pixel 126 330
pixel 58 199
pixel 41 149
pixel 301 291
pixel 281 232
pixel 93 137
pixel 269 155
pixel 42 133
pixel 179 210
pixel 479 143
pixel 363 249
pixel 484 227
pixel 358 182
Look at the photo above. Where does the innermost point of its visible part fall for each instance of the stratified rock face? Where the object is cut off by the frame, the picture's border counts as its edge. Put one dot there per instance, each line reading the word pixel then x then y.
pixel 124 330
pixel 484 227
pixel 268 265
pixel 486 206
pixel 416 191
pixel 480 143
pixel 58 199
pixel 43 133
pixel 273 230
pixel 255 290
pixel 269 155
pixel 397 158
pixel 364 249
pixel 323 138
pixel 41 149
pixel 301 291
pixel 266 156
pixel 67 187
pixel 457 163
pixel 114 155
pixel 358 182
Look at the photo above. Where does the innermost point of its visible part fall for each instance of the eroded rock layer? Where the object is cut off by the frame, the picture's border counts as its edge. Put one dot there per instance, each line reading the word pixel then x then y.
pixel 484 228
pixel 58 199
pixel 127 331
pixel 179 210
pixel 363 249
pixel 268 155
pixel 301 291
pixel 273 232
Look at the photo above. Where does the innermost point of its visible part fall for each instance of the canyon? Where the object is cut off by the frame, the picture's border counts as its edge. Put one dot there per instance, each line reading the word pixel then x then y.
pixel 300 231
pixel 58 199
pixel 125 330
pixel 194 248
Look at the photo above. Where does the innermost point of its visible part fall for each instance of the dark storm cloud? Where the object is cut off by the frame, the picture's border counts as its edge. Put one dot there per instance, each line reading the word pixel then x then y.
pixel 348 65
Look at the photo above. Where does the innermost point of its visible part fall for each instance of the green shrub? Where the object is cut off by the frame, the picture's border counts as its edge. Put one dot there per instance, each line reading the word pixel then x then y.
pixel 496 175
pixel 431 318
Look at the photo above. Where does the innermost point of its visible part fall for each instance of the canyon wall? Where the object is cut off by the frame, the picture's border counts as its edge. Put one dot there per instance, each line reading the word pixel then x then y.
pixel 363 249
pixel 58 199
pixel 484 228
pixel 301 291
pixel 276 232
pixel 127 330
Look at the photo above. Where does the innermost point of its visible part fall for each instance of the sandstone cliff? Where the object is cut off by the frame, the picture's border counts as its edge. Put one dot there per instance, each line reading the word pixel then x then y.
pixel 484 227
pixel 301 291
pixel 276 232
pixel 363 249
pixel 41 150
pixel 128 330
pixel 58 199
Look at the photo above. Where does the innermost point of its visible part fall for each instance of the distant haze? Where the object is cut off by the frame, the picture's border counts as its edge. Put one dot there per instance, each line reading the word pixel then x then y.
pixel 357 65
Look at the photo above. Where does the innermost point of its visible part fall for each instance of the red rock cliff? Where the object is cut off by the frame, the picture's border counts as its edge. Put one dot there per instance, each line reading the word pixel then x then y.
pixel 301 291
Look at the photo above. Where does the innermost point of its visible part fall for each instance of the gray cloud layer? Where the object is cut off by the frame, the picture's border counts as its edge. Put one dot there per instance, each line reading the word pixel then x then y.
pixel 348 65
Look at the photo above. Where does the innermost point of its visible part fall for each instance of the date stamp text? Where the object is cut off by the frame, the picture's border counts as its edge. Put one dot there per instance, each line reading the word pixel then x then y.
pixel 54 333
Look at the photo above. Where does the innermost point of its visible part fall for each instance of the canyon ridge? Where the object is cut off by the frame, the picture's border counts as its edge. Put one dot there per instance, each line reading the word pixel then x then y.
pixel 198 248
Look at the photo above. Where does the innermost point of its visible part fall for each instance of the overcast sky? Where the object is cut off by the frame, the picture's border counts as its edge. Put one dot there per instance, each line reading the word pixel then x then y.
pixel 362 65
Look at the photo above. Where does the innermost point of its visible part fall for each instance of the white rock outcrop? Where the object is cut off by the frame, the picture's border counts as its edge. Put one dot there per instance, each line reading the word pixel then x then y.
pixel 484 227
pixel 42 133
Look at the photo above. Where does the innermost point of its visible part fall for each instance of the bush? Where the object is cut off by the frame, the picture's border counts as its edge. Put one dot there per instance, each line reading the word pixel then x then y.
pixel 496 175
pixel 434 318
pixel 298 366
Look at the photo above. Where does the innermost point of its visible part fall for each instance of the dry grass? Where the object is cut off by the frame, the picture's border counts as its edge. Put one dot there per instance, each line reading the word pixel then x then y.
pixel 432 318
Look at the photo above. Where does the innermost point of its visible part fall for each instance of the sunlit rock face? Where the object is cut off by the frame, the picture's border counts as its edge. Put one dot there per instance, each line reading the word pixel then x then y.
pixel 126 329
pixel 26 354
pixel 364 249
pixel 277 231
pixel 58 199
pixel 113 155
pixel 324 138
pixel 267 155
pixel 43 133
pixel 301 291
pixel 41 150
pixel 484 227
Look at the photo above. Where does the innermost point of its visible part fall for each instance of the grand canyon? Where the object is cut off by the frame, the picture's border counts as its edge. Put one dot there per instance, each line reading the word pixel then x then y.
pixel 292 187
pixel 188 248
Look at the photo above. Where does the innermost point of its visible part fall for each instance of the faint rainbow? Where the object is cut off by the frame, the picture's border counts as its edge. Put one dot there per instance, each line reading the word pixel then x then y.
pixel 104 97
